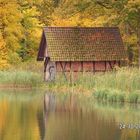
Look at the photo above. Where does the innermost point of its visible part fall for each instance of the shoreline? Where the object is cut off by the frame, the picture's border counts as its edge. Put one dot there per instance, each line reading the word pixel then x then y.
pixel 12 86
pixel 103 96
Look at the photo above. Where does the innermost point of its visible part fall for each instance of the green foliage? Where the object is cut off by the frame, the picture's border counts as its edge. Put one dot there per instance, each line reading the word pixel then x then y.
pixel 31 32
pixel 110 95
pixel 46 9
pixel 133 98
pixel 13 58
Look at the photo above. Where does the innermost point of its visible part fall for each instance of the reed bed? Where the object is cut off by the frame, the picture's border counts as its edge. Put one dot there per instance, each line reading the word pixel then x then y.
pixel 121 85
pixel 16 78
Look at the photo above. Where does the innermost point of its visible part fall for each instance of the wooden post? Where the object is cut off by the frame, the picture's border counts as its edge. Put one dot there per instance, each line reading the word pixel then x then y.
pixel 110 65
pixel 63 69
pixel 119 63
pixel 94 67
pixel 105 66
pixel 70 73
pixel 45 67
pixel 45 64
pixel 56 65
pixel 82 69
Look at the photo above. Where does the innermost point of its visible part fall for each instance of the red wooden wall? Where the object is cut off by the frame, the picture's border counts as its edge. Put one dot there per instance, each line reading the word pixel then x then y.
pixel 88 66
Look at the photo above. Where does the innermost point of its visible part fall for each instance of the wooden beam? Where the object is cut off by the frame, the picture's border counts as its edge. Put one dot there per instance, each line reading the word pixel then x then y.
pixel 45 67
pixel 56 65
pixel 119 63
pixel 110 64
pixel 82 68
pixel 63 69
pixel 65 66
pixel 70 73
pixel 94 66
pixel 115 62
pixel 45 63
pixel 70 65
pixel 105 65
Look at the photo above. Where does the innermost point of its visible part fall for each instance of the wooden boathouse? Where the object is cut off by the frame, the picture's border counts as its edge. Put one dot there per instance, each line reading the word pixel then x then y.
pixel 78 49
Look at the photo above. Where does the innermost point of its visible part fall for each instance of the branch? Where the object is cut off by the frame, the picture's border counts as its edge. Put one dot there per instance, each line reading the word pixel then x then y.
pixel 132 28
pixel 83 9
pixel 104 5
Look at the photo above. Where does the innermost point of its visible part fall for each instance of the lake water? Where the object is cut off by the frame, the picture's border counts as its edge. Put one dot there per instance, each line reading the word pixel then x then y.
pixel 36 115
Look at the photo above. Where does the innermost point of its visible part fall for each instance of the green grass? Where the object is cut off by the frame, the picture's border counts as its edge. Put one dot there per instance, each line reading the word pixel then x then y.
pixel 16 78
pixel 25 74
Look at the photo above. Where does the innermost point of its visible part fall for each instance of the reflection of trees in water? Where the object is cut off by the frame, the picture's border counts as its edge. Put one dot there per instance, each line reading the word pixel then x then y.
pixel 74 121
pixel 130 134
pixel 49 102
pixel 63 118
pixel 41 124
pixel 20 118
pixel 3 113
pixel 25 119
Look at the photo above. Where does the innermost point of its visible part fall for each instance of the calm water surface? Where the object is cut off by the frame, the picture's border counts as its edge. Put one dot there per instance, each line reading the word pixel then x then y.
pixel 35 115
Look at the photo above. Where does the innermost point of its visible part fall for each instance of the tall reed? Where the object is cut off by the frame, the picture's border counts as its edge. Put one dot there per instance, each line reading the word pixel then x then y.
pixel 24 78
pixel 119 85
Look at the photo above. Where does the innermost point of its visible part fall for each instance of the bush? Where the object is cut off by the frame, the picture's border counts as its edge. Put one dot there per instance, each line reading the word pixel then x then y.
pixel 109 95
pixel 101 94
pixel 133 98
pixel 120 97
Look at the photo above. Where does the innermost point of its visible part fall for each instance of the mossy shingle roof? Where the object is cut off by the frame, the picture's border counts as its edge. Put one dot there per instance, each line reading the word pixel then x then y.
pixel 82 44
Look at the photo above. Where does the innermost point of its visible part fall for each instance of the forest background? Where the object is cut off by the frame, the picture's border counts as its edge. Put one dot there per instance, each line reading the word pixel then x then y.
pixel 21 23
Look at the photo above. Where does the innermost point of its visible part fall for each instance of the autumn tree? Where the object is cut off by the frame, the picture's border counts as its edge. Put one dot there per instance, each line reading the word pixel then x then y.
pixel 10 27
pixel 124 13
pixel 31 29
pixel 127 16
pixel 3 54
pixel 21 22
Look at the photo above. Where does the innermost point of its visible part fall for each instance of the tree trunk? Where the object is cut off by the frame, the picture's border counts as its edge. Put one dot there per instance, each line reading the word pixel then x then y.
pixel 139 53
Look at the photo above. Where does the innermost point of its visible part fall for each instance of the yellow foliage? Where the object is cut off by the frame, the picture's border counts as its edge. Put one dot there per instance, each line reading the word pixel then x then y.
pixel 80 19
pixel 131 39
pixel 100 21
pixel 11 28
pixel 76 20
pixel 3 55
